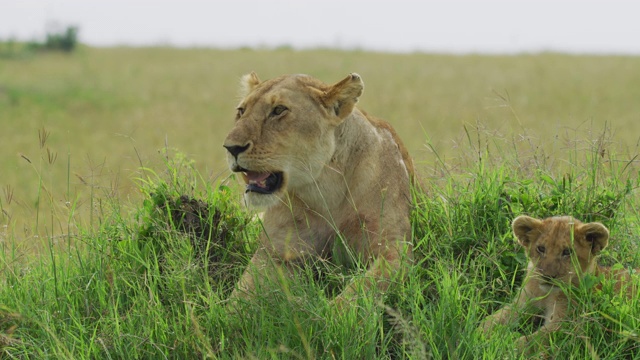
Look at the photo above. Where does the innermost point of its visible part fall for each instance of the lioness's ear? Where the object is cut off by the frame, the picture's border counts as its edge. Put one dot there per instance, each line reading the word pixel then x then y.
pixel 248 82
pixel 597 235
pixel 342 97
pixel 523 228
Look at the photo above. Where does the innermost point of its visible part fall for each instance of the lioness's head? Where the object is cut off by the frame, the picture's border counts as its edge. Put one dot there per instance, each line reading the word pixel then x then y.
pixel 561 248
pixel 283 136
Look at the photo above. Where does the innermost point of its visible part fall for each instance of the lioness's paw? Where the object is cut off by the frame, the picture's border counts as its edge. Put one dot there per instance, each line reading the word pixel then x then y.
pixel 339 303
pixel 487 325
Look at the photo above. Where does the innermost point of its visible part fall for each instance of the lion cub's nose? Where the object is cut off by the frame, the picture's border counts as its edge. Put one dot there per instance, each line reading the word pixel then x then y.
pixel 235 150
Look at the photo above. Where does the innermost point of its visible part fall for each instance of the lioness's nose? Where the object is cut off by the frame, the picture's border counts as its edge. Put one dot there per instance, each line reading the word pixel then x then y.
pixel 235 150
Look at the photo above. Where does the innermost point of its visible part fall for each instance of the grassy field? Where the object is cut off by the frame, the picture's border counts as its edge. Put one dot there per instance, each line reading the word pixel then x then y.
pixel 109 111
pixel 99 144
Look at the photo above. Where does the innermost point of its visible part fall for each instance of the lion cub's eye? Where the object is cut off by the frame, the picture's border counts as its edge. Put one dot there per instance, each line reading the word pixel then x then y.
pixel 566 252
pixel 278 110
pixel 541 249
pixel 240 111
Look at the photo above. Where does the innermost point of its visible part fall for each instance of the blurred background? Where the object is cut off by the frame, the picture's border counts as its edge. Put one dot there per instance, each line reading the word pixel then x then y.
pixel 91 92
pixel 456 26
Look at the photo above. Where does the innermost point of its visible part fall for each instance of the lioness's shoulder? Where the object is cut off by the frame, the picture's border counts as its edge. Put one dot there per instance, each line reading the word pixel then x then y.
pixel 385 126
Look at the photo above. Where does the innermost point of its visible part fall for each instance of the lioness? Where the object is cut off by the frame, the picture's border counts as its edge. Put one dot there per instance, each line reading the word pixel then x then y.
pixel 324 172
pixel 561 250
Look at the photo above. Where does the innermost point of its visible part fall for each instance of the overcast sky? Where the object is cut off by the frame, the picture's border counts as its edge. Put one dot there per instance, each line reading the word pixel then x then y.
pixel 455 26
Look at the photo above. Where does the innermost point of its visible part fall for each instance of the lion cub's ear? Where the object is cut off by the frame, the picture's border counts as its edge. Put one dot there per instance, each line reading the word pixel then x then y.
pixel 525 228
pixel 248 82
pixel 342 97
pixel 597 235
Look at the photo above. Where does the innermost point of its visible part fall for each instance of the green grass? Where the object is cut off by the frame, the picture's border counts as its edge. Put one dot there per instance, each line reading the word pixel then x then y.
pixel 131 279
pixel 145 284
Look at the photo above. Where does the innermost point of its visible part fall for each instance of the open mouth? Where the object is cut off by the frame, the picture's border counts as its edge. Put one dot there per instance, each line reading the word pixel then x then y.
pixel 262 183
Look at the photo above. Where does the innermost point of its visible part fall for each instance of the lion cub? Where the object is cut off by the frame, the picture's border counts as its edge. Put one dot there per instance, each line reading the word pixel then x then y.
pixel 561 250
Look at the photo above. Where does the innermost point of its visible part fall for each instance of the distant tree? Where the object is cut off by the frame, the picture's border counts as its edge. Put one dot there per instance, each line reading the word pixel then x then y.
pixel 65 41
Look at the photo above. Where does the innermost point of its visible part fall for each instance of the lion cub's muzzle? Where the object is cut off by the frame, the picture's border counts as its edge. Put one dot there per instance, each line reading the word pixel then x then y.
pixel 548 280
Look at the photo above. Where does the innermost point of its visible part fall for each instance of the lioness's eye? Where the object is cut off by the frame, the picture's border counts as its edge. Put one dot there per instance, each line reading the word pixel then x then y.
pixel 566 252
pixel 240 111
pixel 278 110
pixel 541 249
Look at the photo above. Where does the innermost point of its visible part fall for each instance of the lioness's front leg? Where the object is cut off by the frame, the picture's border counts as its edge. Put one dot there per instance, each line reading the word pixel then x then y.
pixel 247 283
pixel 261 270
pixel 388 261
pixel 282 244
pixel 378 278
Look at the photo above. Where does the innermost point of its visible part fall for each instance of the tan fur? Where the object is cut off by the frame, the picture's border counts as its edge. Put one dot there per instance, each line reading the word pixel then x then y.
pixel 346 175
pixel 561 250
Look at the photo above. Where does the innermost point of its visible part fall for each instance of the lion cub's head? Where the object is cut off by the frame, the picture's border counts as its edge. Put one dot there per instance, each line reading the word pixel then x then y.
pixel 284 136
pixel 560 249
